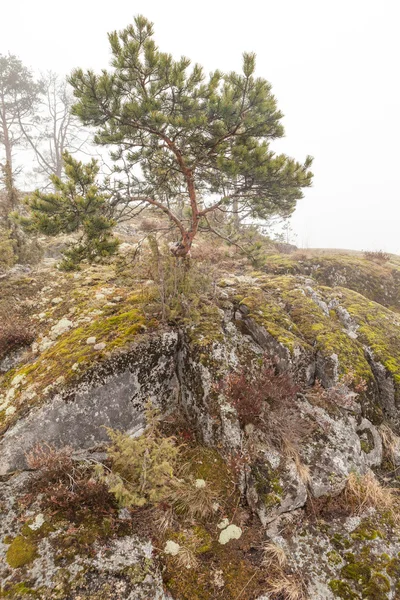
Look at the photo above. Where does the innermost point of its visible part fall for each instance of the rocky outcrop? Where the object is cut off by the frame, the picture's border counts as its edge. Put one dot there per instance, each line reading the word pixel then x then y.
pixel 108 356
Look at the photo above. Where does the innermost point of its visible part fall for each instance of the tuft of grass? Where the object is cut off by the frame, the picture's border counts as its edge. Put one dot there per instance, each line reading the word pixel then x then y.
pixel 286 586
pixel 194 501
pixel 274 555
pixel 186 558
pixel 291 452
pixel 282 583
pixel 390 441
pixel 365 491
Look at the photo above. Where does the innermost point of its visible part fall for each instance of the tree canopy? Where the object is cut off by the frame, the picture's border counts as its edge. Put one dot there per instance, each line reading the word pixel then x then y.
pixel 76 205
pixel 179 135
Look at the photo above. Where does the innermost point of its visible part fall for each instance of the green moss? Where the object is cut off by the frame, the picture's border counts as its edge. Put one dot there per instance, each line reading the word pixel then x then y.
pixel 378 329
pixel 138 572
pixel 380 283
pixel 204 539
pixel 342 589
pixel 367 530
pixel 377 588
pixel 238 576
pixel 334 557
pixel 80 539
pixel 117 329
pixel 204 325
pixel 267 484
pixel 19 590
pixel 293 318
pixel 341 542
pixel 363 575
pixel 22 551
pixel 208 464
pixel 358 572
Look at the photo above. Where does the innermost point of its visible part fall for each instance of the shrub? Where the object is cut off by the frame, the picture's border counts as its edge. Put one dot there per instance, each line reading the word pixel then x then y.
pixel 182 286
pixel 378 256
pixel 7 258
pixel 142 468
pixel 253 390
pixel 14 333
pixel 66 486
pixel 265 398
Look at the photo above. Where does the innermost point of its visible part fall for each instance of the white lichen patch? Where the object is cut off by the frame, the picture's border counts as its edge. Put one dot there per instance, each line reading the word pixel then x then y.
pixel 224 523
pixel 232 532
pixel 171 548
pixel 37 523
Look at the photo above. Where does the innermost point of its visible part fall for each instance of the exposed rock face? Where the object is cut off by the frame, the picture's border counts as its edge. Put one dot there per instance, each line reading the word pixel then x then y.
pixel 309 331
pixel 112 395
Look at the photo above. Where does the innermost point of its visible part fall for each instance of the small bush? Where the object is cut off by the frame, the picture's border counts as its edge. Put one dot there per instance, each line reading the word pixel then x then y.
pixel 7 257
pixel 378 256
pixel 265 398
pixel 66 486
pixel 15 333
pixel 253 390
pixel 142 468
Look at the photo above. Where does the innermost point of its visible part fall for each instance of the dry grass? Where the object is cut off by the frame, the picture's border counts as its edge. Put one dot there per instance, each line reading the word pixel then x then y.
pixel 291 452
pixel 274 555
pixel 195 502
pixel 286 586
pixel 366 492
pixel 15 332
pixel 186 558
pixel 163 519
pixel 282 584
pixel 379 256
pixel 390 441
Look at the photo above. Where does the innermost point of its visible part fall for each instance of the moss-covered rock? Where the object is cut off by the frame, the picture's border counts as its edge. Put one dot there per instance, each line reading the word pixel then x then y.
pixel 21 551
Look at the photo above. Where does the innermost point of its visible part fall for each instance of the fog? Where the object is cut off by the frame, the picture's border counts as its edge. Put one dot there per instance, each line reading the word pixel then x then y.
pixel 334 70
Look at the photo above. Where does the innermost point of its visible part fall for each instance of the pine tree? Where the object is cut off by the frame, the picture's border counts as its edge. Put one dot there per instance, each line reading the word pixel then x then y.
pixel 77 205
pixel 206 139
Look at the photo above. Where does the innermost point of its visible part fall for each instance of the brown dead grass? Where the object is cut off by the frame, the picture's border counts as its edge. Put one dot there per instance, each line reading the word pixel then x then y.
pixel 365 491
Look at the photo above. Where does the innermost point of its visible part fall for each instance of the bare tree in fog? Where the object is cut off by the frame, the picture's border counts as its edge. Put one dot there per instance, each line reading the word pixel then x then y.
pixel 53 130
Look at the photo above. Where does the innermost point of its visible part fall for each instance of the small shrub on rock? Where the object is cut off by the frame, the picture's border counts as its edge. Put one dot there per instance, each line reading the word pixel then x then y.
pixel 66 486
pixel 253 390
pixel 142 468
pixel 265 398
pixel 15 333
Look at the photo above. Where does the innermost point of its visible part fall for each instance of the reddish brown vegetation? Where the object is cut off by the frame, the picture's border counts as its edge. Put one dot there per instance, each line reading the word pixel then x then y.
pixel 15 332
pixel 67 486
pixel 266 398
pixel 255 390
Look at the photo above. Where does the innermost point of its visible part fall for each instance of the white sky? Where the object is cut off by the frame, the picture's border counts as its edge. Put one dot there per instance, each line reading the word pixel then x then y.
pixel 334 67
